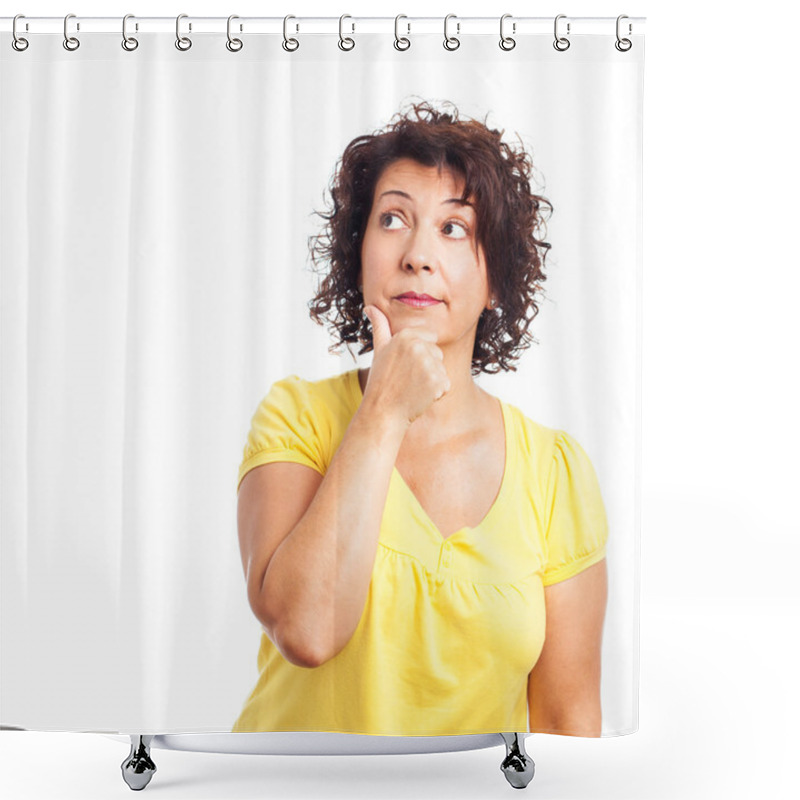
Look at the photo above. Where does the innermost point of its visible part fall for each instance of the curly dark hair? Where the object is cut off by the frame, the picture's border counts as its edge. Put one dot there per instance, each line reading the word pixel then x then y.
pixel 509 216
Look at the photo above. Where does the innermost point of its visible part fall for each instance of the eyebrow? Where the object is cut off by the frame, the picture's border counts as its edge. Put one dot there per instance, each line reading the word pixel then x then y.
pixel 456 200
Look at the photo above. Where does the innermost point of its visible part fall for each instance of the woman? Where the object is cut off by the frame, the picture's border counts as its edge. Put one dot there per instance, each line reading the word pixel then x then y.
pixel 406 536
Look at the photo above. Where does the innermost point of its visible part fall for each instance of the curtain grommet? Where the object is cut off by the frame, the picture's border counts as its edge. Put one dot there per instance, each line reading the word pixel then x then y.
pixel 623 45
pixel 451 42
pixel 507 42
pixel 19 43
pixel 70 42
pixel 233 45
pixel 561 43
pixel 183 43
pixel 289 44
pixel 401 43
pixel 345 42
pixel 129 43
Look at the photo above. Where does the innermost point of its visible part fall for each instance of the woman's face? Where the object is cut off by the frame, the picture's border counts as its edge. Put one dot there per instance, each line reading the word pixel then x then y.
pixel 420 240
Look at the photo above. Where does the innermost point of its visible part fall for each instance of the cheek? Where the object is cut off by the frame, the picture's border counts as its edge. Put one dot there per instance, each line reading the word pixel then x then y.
pixel 376 259
pixel 472 283
pixel 369 244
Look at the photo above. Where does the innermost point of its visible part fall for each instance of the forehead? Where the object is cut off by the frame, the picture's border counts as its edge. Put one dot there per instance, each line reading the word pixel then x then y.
pixel 410 175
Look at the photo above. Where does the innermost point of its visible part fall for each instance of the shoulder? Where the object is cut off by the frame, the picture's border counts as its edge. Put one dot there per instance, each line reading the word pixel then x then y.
pixel 320 409
pixel 548 450
pixel 325 394
pixel 536 442
pixel 298 420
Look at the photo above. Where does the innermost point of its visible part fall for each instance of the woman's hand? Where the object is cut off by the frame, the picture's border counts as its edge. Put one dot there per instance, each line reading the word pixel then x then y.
pixel 408 373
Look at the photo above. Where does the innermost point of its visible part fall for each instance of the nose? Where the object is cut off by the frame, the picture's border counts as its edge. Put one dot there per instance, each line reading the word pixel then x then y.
pixel 421 254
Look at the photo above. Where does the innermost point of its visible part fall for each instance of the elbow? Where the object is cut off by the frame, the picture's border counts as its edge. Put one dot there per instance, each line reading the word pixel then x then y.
pixel 298 644
pixel 302 639
pixel 299 647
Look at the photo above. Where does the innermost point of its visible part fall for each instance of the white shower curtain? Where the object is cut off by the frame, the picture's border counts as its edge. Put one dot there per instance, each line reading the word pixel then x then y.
pixel 157 207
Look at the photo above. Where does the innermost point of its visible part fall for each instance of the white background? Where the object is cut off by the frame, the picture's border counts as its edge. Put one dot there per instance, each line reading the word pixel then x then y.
pixel 720 540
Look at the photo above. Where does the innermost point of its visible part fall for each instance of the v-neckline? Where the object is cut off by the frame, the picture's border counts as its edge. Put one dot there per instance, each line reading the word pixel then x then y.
pixel 356 385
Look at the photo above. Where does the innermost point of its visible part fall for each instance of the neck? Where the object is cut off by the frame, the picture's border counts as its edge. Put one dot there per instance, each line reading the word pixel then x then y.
pixel 458 408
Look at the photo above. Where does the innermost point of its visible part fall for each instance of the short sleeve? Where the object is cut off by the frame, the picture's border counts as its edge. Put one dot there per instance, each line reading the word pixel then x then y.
pixel 577 527
pixel 285 427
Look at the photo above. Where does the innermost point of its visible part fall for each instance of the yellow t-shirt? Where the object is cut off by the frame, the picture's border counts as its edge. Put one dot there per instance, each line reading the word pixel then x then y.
pixel 451 627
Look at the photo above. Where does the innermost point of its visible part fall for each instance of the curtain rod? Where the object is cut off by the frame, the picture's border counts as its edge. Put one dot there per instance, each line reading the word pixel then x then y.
pixel 463 26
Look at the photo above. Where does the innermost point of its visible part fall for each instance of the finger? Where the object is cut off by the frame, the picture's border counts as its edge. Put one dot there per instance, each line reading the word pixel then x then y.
pixel 434 349
pixel 381 330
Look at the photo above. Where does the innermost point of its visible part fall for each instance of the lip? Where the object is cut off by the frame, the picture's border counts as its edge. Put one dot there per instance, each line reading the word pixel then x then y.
pixel 417 300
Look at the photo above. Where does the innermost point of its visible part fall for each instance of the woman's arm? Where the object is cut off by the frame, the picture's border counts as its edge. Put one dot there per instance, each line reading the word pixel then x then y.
pixel 308 542
pixel 564 686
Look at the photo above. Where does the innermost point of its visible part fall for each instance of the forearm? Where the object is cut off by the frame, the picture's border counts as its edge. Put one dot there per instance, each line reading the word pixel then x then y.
pixel 315 585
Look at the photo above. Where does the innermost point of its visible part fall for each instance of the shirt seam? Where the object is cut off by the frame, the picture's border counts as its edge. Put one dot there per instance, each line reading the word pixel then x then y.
pixel 457 577
pixel 575 566
pixel 256 460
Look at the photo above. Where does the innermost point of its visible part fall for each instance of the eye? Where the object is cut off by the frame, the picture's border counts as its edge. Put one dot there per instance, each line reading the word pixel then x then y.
pixel 389 215
pixel 458 228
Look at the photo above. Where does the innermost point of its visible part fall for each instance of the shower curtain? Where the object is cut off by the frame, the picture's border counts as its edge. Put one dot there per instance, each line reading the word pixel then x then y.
pixel 159 200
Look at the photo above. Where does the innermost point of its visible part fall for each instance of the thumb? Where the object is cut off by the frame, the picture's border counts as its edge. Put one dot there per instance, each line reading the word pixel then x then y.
pixel 381 331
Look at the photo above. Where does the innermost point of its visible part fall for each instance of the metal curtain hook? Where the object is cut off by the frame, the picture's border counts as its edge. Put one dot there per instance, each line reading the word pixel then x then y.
pixel 70 42
pixel 290 45
pixel 182 42
pixel 401 43
pixel 451 42
pixel 623 45
pixel 18 43
pixel 234 45
pixel 561 43
pixel 506 42
pixel 346 43
pixel 128 42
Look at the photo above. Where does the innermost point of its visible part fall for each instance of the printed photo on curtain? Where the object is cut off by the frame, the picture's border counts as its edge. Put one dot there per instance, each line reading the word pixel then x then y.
pixel 412 519
pixel 320 384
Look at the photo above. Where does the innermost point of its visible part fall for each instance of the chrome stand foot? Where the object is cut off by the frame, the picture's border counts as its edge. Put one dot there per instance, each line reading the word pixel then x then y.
pixel 518 766
pixel 138 768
